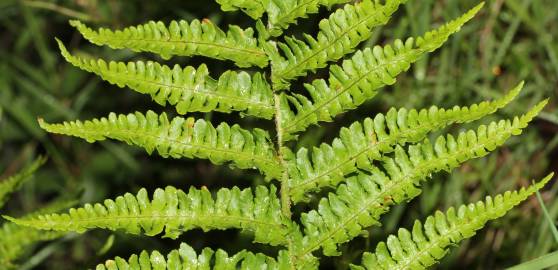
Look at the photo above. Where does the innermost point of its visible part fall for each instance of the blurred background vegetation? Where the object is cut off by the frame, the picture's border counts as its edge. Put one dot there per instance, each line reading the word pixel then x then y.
pixel 510 41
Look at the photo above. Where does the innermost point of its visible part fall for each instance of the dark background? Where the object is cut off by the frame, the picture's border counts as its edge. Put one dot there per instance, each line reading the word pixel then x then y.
pixel 509 41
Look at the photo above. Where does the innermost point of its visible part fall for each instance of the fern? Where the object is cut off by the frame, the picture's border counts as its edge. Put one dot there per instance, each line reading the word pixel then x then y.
pixel 184 39
pixel 338 36
pixel 180 137
pixel 358 78
pixel 359 203
pixel 174 211
pixel 428 243
pixel 254 8
pixel 372 165
pixel 187 258
pixel 362 143
pixel 14 239
pixel 14 182
pixel 189 89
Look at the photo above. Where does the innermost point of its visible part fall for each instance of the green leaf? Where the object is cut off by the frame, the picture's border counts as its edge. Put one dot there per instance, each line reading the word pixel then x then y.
pixel 180 137
pixel 188 89
pixel 13 183
pixel 426 244
pixel 183 39
pixel 254 8
pixel 358 79
pixel 362 143
pixel 187 258
pixel 282 13
pixel 338 36
pixel 15 239
pixel 361 201
pixel 175 212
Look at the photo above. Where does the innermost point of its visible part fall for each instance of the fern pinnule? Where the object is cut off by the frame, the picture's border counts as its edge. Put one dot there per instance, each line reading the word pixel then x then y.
pixel 180 137
pixel 254 8
pixel 187 258
pixel 175 212
pixel 189 89
pixel 183 38
pixel 363 142
pixel 282 13
pixel 14 182
pixel 359 203
pixel 338 36
pixel 427 243
pixel 358 79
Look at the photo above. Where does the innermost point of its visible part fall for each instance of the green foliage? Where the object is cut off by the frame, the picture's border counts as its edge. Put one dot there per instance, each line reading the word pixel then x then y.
pixel 186 258
pixel 357 79
pixel 359 203
pixel 14 182
pixel 189 89
pixel 175 211
pixel 338 36
pixel 361 143
pixel 180 137
pixel 374 164
pixel 426 244
pixel 15 239
pixel 183 39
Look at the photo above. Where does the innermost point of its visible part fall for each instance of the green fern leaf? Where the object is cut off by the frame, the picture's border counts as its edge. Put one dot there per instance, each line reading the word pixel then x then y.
pixel 180 137
pixel 359 78
pixel 14 182
pixel 187 258
pixel 183 39
pixel 188 89
pixel 282 13
pixel 428 243
pixel 338 36
pixel 362 143
pixel 15 239
pixel 175 212
pixel 254 8
pixel 364 198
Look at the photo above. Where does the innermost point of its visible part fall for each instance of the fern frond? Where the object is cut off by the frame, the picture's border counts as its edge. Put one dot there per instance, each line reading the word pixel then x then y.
pixel 359 78
pixel 183 39
pixel 187 258
pixel 362 143
pixel 338 36
pixel 180 137
pixel 14 182
pixel 15 239
pixel 175 211
pixel 254 8
pixel 426 244
pixel 282 13
pixel 361 201
pixel 188 89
